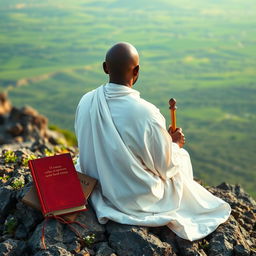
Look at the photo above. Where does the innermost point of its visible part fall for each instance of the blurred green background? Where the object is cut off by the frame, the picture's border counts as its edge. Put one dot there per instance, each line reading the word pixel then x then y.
pixel 201 52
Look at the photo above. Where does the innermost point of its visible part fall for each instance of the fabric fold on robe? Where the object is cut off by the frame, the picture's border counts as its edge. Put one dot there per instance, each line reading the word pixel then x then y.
pixel 144 178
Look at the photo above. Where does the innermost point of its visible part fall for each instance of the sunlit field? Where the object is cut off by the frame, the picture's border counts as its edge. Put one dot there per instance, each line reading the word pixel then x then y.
pixel 201 52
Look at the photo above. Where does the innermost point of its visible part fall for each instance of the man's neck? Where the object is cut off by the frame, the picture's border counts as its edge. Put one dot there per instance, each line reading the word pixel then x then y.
pixel 119 81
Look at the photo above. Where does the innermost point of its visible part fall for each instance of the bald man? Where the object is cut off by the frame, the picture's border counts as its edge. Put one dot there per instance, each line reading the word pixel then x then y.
pixel 145 176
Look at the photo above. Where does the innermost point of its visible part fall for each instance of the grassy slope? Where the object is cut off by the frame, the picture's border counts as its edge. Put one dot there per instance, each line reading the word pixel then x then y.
pixel 200 52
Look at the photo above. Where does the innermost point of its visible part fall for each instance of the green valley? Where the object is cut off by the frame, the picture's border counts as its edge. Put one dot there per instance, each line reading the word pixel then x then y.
pixel 201 52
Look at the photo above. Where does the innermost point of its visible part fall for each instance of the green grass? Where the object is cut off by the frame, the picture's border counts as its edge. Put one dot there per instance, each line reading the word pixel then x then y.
pixel 201 52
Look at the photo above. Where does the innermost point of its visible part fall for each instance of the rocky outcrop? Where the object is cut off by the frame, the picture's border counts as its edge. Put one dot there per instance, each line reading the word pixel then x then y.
pixel 5 104
pixel 21 226
pixel 23 124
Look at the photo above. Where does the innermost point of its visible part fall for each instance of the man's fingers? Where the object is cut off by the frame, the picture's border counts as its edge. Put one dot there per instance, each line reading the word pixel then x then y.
pixel 183 140
pixel 178 136
pixel 179 132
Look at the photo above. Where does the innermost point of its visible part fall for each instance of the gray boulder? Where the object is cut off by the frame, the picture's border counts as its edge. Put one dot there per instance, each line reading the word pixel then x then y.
pixel 129 240
pixel 53 236
pixel 103 249
pixel 7 201
pixel 223 240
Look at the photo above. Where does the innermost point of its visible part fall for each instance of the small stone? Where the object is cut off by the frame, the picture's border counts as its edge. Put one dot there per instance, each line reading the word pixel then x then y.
pixel 103 249
pixel 253 234
pixel 201 252
pixel 239 250
pixel 236 214
pixel 168 236
pixel 5 104
pixel 250 243
pixel 250 214
pixel 29 111
pixel 15 130
pixel 54 251
pixel 74 247
pixel 225 186
pixel 86 252
pixel 43 253
pixel 7 201
pixel 241 221
pixel 220 246
pixel 6 170
pixel 187 248
pixel 12 247
pixel 21 232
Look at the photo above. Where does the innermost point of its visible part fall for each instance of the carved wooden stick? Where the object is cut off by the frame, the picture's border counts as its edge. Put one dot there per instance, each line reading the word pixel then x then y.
pixel 172 103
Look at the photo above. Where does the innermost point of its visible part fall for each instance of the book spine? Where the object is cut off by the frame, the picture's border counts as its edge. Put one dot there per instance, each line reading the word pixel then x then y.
pixel 37 186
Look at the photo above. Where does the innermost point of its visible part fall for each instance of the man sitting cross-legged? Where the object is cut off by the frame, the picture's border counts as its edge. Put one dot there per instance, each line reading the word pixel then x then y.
pixel 145 176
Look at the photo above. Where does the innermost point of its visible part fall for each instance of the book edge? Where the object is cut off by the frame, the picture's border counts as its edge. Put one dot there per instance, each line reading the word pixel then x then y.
pixel 43 206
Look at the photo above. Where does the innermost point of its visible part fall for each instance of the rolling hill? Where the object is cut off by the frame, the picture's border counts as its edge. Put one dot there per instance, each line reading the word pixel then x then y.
pixel 203 53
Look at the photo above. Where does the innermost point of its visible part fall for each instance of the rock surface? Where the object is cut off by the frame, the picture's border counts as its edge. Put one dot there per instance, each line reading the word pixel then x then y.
pixel 21 226
pixel 24 124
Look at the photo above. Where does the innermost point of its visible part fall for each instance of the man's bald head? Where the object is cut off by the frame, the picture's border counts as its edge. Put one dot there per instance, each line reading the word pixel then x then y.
pixel 122 63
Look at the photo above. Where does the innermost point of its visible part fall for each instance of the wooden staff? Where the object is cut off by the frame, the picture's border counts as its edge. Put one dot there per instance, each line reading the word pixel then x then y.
pixel 172 103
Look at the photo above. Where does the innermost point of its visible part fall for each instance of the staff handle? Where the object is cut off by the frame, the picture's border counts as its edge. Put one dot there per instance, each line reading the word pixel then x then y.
pixel 172 103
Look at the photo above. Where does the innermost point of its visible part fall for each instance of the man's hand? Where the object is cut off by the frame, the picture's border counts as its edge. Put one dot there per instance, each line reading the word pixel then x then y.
pixel 177 136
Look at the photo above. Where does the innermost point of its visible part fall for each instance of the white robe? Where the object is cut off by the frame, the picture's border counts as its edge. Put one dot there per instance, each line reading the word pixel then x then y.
pixel 144 178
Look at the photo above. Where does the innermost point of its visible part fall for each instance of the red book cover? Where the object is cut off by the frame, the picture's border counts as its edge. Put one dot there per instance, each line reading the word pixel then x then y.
pixel 57 184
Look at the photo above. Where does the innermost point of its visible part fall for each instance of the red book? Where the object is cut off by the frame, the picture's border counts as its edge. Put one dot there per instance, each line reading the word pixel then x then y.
pixel 57 185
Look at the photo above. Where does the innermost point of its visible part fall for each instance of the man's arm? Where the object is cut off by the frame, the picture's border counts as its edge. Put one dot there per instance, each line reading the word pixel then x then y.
pixel 163 155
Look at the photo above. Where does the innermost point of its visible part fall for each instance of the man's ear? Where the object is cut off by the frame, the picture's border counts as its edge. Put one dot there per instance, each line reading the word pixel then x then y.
pixel 105 68
pixel 136 70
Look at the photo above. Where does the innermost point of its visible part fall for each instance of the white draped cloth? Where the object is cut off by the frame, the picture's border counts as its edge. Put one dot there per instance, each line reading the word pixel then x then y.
pixel 144 178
